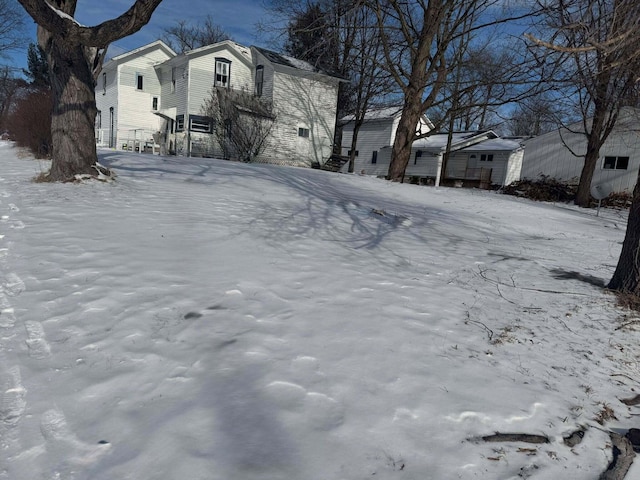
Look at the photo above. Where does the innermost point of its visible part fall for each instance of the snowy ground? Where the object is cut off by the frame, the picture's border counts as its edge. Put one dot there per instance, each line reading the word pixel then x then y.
pixel 202 319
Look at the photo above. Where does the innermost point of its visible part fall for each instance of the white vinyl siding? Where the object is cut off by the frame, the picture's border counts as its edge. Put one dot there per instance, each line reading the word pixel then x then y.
pixel 107 99
pixel 202 75
pixel 292 96
pixel 547 155
pixel 373 135
pixel 132 107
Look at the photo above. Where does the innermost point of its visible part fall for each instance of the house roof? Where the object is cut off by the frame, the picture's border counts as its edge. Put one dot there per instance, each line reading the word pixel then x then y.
pixel 459 140
pixel 495 145
pixel 149 46
pixel 385 113
pixel 241 50
pixel 287 61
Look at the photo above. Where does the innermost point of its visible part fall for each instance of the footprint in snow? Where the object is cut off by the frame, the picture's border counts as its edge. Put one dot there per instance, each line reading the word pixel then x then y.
pixel 13 285
pixel 7 315
pixel 12 402
pixel 36 340
pixel 317 410
pixel 65 452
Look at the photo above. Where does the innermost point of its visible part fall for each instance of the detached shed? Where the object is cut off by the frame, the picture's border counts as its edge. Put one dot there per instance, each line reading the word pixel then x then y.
pixel 475 159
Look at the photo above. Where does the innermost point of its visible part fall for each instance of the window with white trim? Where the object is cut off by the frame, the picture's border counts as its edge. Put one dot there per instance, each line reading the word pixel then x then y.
pixel 259 80
pixel 179 123
pixel 198 123
pixel 139 81
pixel 154 103
pixel 223 72
pixel 303 132
pixel 615 163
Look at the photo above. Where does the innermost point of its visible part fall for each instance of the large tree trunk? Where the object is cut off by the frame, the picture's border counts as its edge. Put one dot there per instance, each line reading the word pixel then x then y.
pixel 594 142
pixel 74 107
pixel 626 278
pixel 75 54
pixel 405 134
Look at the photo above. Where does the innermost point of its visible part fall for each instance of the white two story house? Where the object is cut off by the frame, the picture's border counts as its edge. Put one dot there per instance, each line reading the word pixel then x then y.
pixel 303 100
pixel 128 97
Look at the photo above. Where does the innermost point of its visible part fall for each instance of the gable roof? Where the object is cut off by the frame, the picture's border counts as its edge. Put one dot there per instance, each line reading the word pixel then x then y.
pixel 150 46
pixel 240 50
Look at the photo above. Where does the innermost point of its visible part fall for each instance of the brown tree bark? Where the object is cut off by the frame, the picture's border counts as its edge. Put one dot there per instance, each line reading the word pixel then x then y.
pixel 626 278
pixel 595 139
pixel 405 134
pixel 75 54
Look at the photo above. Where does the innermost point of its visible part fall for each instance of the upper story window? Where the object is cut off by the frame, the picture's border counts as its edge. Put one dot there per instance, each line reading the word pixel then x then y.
pixel 615 163
pixel 139 81
pixel 104 83
pixel 154 103
pixel 259 80
pixel 304 133
pixel 486 157
pixel 223 72
pixel 173 79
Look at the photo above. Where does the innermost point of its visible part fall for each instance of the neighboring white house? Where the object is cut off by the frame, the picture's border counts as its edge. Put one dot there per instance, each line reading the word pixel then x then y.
pixel 377 131
pixel 554 155
pixel 475 158
pixel 127 97
pixel 303 98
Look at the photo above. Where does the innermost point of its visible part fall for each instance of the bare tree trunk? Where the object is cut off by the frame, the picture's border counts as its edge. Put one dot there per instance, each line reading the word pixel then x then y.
pixel 405 134
pixel 75 54
pixel 583 195
pixel 74 108
pixel 354 141
pixel 626 278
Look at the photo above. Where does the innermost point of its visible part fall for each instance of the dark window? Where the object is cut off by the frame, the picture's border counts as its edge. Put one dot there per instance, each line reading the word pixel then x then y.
pixel 303 132
pixel 374 157
pixel 179 123
pixel 259 80
pixel 223 72
pixel 173 79
pixel 486 157
pixel 418 155
pixel 200 124
pixel 615 163
pixel 154 103
pixel 104 83
pixel 139 81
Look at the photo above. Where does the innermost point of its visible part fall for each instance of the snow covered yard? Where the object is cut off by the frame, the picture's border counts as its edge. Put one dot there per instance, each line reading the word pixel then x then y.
pixel 201 319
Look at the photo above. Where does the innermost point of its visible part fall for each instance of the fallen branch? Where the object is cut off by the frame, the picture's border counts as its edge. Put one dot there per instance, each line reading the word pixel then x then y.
pixel 482 274
pixel 623 456
pixel 516 437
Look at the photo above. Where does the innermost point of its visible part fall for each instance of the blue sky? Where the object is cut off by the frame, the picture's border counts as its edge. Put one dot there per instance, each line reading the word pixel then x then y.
pixel 237 17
